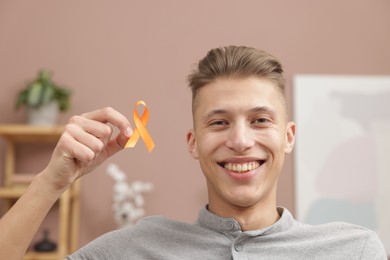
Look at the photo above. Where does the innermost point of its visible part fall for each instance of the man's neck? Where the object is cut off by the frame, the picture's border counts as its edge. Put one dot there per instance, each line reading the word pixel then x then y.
pixel 254 217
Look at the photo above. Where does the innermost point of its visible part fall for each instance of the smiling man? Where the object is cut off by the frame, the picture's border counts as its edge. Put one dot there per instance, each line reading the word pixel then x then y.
pixel 241 133
pixel 240 136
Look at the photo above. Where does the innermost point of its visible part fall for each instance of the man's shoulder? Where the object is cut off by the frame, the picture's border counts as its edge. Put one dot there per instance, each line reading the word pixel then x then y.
pixel 334 229
pixel 341 233
pixel 160 222
pixel 346 240
pixel 164 225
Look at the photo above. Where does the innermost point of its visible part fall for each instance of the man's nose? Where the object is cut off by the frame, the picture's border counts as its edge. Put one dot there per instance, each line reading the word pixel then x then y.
pixel 240 137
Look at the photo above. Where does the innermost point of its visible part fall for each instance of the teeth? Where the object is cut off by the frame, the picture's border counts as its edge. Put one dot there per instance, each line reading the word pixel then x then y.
pixel 241 167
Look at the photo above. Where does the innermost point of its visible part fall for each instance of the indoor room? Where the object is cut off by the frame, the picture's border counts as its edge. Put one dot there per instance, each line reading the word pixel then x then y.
pixel 130 67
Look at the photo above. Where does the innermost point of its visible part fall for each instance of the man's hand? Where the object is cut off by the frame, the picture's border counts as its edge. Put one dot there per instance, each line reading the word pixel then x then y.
pixel 86 143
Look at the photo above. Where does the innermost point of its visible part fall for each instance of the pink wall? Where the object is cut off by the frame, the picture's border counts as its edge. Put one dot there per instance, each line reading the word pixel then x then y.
pixel 112 53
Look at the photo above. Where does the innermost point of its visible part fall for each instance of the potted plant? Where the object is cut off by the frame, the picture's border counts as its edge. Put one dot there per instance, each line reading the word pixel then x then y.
pixel 43 100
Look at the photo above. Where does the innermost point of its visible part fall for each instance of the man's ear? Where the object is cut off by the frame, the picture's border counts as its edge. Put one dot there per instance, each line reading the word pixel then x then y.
pixel 191 144
pixel 290 137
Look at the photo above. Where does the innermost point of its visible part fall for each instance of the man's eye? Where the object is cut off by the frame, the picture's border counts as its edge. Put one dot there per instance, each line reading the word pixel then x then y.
pixel 218 122
pixel 261 120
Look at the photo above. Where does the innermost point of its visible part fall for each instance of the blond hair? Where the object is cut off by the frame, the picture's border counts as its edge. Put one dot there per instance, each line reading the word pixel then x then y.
pixel 236 61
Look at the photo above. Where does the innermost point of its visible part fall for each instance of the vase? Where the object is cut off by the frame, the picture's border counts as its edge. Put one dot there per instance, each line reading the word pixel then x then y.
pixel 45 115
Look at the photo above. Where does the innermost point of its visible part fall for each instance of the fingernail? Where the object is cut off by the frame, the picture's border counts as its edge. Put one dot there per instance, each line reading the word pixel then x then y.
pixel 128 132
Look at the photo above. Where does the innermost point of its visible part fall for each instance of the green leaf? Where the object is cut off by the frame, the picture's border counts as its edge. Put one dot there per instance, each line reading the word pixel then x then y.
pixel 44 75
pixel 42 91
pixel 22 98
pixel 48 95
pixel 35 94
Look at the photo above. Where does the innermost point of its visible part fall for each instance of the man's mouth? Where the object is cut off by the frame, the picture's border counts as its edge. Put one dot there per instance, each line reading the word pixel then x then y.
pixel 241 167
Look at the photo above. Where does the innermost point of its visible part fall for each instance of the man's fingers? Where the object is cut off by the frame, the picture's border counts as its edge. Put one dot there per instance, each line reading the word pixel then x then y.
pixel 117 144
pixel 75 149
pixel 96 141
pixel 110 115
pixel 92 130
pixel 89 136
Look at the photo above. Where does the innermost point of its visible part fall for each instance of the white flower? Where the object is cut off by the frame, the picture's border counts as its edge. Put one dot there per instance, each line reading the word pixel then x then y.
pixel 128 199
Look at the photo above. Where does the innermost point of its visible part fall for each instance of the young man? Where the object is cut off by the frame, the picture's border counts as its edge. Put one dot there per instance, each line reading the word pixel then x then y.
pixel 240 136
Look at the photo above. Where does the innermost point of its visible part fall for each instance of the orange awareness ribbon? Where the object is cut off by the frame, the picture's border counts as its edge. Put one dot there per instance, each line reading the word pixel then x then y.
pixel 140 129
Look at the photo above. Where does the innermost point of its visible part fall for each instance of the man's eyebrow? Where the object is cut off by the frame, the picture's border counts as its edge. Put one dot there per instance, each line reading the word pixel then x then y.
pixel 263 109
pixel 213 113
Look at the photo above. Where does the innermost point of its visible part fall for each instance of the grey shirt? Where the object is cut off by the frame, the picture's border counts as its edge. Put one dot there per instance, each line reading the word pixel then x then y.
pixel 213 237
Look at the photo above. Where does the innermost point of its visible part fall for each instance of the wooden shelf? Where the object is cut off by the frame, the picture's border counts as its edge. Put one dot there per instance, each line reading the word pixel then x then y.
pixel 26 133
pixel 12 192
pixel 15 184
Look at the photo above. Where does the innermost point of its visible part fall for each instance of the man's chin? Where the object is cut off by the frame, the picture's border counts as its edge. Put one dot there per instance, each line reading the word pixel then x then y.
pixel 243 200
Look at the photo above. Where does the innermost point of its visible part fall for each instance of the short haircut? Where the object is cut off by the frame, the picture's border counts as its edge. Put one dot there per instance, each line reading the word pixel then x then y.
pixel 236 62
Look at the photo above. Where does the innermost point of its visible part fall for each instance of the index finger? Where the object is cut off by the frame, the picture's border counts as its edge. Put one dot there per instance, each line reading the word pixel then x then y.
pixel 110 115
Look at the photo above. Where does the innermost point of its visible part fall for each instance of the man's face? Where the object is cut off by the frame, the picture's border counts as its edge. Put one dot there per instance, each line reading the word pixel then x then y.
pixel 240 137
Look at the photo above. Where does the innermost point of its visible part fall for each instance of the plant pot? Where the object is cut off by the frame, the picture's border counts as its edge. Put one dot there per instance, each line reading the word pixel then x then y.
pixel 45 115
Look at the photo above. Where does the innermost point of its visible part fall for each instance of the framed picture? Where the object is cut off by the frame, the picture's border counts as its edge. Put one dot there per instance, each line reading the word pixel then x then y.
pixel 342 153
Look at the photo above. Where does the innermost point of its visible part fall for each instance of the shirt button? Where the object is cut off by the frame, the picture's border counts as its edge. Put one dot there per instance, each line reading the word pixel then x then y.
pixel 238 247
pixel 230 224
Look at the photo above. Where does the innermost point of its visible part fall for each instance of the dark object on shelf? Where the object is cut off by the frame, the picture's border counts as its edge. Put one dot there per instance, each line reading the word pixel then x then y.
pixel 45 245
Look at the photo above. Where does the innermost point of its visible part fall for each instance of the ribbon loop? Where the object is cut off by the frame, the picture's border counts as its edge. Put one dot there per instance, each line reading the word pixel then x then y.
pixel 140 130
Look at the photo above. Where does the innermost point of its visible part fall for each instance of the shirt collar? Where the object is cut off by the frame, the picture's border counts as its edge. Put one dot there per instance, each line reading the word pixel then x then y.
pixel 230 226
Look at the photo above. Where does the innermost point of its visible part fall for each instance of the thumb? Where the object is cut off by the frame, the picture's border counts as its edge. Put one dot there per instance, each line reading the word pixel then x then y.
pixel 119 142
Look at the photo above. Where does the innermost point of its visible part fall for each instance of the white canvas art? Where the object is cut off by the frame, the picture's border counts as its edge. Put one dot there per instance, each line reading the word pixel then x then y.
pixel 342 153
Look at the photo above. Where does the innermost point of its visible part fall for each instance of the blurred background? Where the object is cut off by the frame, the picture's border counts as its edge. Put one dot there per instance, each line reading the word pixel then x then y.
pixel 113 53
